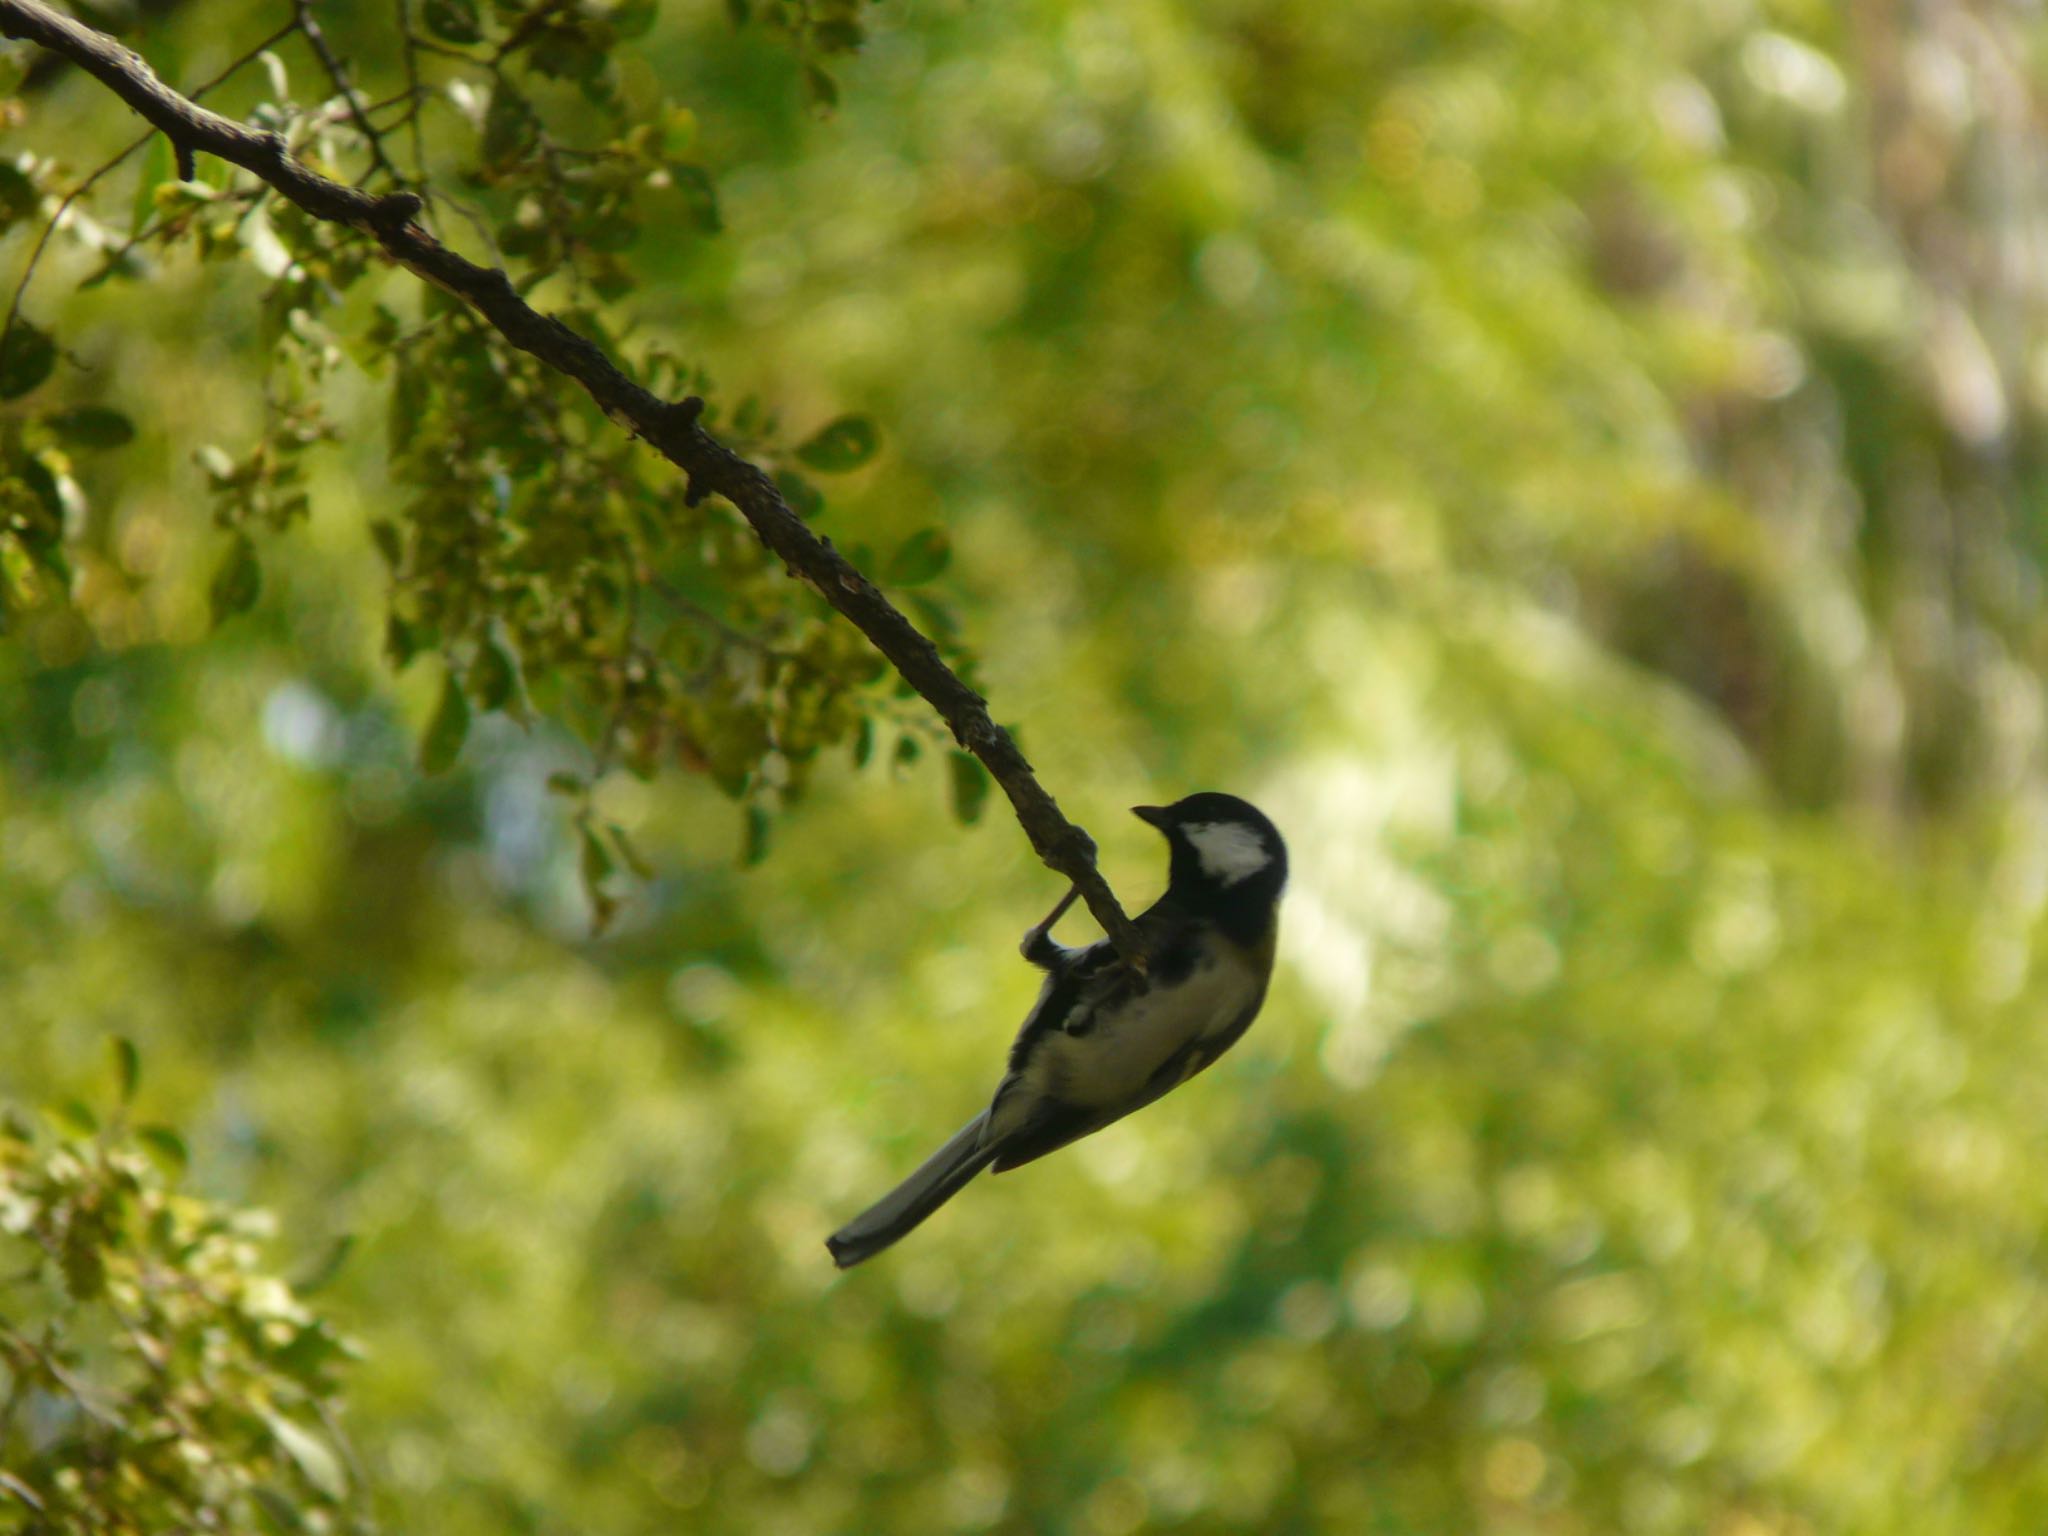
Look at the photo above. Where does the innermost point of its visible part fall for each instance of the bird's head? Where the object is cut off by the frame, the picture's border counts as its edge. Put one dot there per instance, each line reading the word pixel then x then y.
pixel 1224 849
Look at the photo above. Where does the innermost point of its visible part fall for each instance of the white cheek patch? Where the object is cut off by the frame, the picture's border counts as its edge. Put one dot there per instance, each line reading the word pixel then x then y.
pixel 1230 851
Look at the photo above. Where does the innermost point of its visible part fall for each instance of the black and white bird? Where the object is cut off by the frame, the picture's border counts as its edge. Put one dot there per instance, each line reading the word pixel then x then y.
pixel 1099 1043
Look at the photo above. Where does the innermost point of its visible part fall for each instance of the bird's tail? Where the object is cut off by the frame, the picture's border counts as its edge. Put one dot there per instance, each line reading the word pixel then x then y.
pixel 938 1179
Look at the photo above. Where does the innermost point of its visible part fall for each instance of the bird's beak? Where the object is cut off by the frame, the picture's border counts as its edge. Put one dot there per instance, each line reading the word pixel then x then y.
pixel 1155 814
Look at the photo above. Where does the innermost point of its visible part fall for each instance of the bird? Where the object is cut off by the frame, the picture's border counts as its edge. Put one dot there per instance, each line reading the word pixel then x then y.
pixel 1104 1039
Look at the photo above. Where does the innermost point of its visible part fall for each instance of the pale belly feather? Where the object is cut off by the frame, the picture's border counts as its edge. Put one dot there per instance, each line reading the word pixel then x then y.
pixel 1113 1061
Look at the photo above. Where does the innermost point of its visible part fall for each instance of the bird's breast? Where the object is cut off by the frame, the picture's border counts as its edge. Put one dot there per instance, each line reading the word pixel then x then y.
pixel 1124 1045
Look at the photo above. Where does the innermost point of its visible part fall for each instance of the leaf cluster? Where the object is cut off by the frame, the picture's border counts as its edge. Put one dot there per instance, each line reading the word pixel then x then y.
pixel 552 568
pixel 155 1373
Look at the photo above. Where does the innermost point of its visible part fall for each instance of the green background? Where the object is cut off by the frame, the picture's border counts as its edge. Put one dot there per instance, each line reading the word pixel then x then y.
pixel 1576 465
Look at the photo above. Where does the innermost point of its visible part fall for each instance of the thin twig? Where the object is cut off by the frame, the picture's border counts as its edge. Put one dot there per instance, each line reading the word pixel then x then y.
pixel 302 12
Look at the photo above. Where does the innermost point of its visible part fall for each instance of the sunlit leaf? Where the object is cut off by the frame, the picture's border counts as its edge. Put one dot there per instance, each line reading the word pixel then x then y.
pixel 312 1454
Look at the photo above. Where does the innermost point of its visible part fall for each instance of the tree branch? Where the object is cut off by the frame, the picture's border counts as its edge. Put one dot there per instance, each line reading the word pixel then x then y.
pixel 670 428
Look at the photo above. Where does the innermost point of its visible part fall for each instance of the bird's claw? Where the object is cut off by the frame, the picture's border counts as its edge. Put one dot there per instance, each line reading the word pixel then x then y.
pixel 1039 946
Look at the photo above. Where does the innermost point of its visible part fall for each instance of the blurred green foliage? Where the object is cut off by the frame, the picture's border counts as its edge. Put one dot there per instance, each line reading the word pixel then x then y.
pixel 157 1377
pixel 1579 466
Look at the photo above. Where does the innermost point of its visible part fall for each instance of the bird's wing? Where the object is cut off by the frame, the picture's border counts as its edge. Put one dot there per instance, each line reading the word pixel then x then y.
pixel 1067 1079
pixel 1050 1123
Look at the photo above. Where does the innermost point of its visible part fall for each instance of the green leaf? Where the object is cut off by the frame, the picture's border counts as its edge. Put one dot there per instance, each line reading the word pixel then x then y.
pixel 389 543
pixel 73 1119
pixel 37 476
pixel 970 787
pixel 18 197
pixel 493 677
pixel 820 88
pixel 700 196
pixel 127 1067
pixel 408 405
pixel 841 445
pixel 567 784
pixel 837 36
pixel 92 426
pixel 215 462
pixel 238 582
pixel 312 1454
pixel 635 861
pixel 804 498
pixel 678 131
pixel 166 1148
pixel 83 1260
pixel 920 558
pixel 508 125
pixel 596 861
pixel 738 11
pixel 634 18
pixel 281 1516
pixel 159 165
pixel 447 730
pixel 610 232
pixel 908 750
pixel 401 641
pixel 863 741
pixel 318 1277
pixel 313 1348
pixel 760 830
pixel 26 360
pixel 453 21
